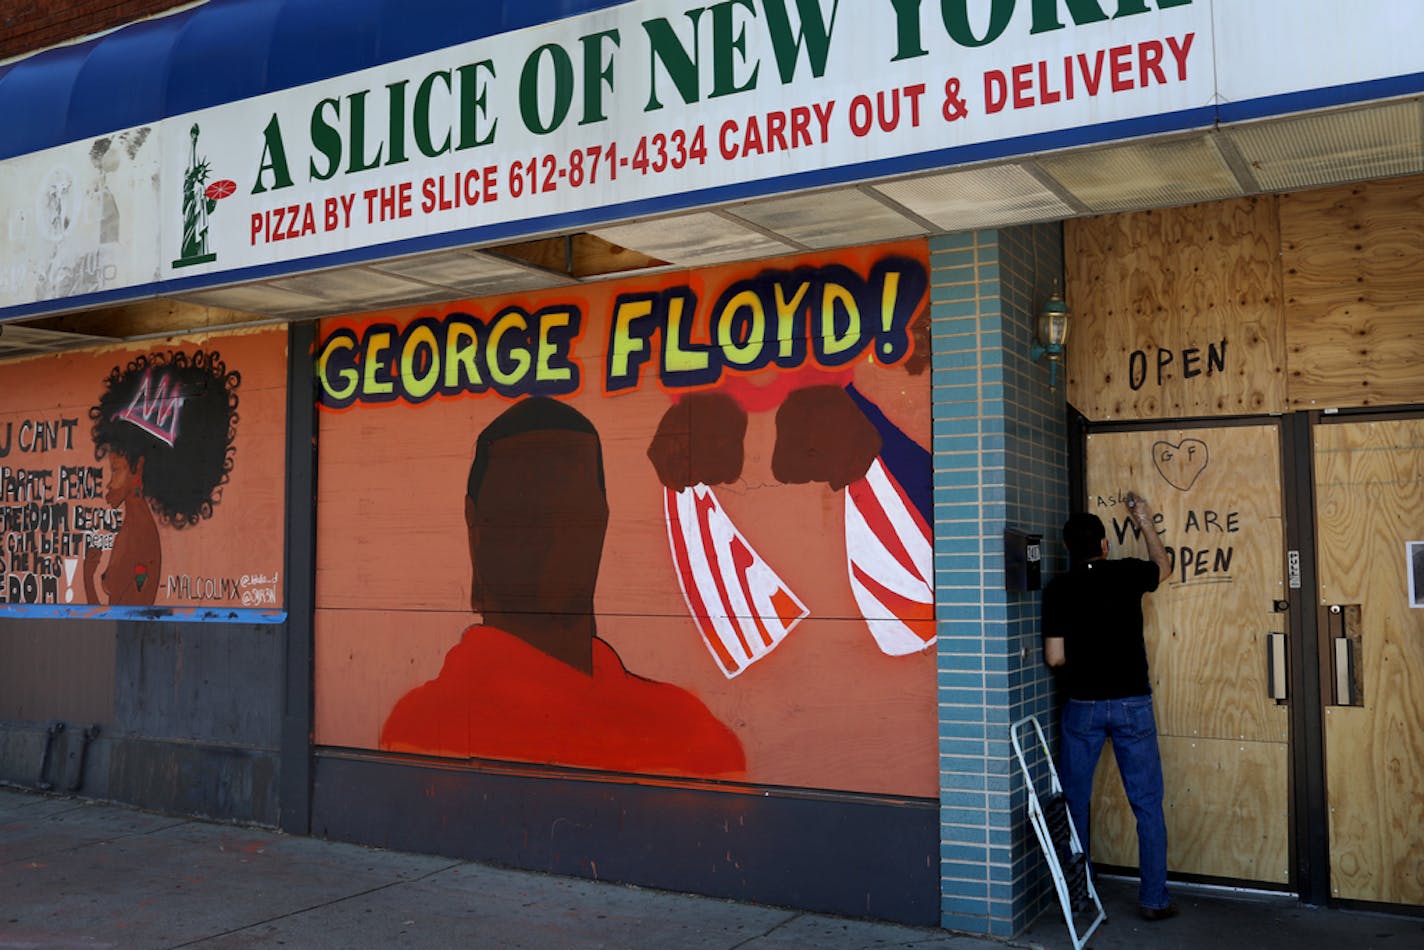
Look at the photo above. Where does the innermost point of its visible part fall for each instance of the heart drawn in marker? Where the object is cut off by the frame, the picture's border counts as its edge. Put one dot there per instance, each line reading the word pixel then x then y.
pixel 1180 463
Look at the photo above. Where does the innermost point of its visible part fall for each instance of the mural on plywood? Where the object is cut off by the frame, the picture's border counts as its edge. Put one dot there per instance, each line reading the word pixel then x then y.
pixel 166 423
pixel 118 512
pixel 674 526
pixel 533 679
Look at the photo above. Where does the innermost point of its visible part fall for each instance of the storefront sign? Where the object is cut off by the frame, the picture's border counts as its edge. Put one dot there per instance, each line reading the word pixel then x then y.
pixel 640 103
pixel 643 105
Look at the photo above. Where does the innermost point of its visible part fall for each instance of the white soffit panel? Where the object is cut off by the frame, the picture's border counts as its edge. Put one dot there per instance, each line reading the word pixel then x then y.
pixel 691 239
pixel 254 298
pixel 1329 148
pixel 978 198
pixel 16 340
pixel 357 288
pixel 1148 175
pixel 471 274
pixel 830 218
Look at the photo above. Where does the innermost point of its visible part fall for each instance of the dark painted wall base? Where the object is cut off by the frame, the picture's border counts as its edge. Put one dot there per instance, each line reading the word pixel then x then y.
pixel 176 777
pixel 186 717
pixel 852 855
pixel 226 783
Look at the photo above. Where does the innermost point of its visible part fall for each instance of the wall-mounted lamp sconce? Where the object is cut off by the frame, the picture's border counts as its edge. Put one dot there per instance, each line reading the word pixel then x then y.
pixel 1052 334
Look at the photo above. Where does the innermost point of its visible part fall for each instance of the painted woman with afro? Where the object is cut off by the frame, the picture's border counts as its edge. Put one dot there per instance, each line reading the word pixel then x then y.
pixel 166 423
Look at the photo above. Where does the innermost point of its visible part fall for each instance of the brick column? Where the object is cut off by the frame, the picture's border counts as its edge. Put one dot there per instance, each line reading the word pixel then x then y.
pixel 1000 459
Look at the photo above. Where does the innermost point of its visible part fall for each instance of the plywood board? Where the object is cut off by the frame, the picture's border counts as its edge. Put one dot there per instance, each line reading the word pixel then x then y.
pixel 1177 312
pixel 1216 492
pixel 159 469
pixel 1370 498
pixel 685 521
pixel 1226 810
pixel 1354 294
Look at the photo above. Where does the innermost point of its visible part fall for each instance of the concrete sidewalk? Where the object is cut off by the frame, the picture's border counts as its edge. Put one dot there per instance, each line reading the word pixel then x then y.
pixel 80 874
pixel 1214 918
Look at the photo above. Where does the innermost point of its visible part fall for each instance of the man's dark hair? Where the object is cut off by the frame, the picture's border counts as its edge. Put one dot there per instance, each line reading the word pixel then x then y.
pixel 535 414
pixel 1083 533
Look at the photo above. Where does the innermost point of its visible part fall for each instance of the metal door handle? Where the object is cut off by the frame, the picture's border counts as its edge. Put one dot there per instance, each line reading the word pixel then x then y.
pixel 1343 624
pixel 1345 672
pixel 1277 678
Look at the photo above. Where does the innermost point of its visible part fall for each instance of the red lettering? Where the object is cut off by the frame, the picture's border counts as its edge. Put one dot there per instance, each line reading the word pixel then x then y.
pixel 1180 53
pixel 1120 57
pixel 1023 86
pixel 913 93
pixel 1046 95
pixel 776 132
pixel 800 126
pixel 729 127
pixel 996 91
pixel 1151 55
pixel 1092 78
pixel 862 115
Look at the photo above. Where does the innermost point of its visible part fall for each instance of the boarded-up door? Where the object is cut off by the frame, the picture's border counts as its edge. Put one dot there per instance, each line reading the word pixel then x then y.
pixel 1369 482
pixel 1223 739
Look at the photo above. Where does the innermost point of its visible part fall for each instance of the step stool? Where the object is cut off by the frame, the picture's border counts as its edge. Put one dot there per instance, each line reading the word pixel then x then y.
pixel 1048 813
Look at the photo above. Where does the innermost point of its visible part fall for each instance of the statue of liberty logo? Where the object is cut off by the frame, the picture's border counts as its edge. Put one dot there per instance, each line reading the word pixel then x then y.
pixel 199 199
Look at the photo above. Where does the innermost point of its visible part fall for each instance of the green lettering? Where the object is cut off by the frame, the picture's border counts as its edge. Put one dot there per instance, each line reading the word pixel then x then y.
pixel 680 66
pixel 325 138
pixel 421 117
pixel 1046 20
pixel 274 159
pixel 473 96
pixel 815 33
pixel 956 21
pixel 1131 7
pixel 397 120
pixel 529 88
pixel 726 40
pixel 1045 13
pixel 597 73
pixel 357 161
pixel 907 30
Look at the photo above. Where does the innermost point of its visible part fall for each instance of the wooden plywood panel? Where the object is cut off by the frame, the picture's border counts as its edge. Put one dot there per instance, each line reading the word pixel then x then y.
pixel 1354 294
pixel 1225 804
pixel 562 552
pixel 1217 495
pixel 1370 497
pixel 1177 312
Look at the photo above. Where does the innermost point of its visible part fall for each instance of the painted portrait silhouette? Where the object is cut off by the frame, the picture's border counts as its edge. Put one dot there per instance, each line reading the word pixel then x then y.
pixel 166 424
pixel 534 681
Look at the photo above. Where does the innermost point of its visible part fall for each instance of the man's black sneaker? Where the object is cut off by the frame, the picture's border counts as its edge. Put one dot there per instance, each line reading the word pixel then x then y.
pixel 1158 913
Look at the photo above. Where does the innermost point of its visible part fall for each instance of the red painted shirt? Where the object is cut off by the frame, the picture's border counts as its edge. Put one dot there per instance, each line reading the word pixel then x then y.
pixel 498 697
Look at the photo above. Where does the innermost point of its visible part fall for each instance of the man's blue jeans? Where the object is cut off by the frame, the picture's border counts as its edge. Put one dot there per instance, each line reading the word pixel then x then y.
pixel 1130 725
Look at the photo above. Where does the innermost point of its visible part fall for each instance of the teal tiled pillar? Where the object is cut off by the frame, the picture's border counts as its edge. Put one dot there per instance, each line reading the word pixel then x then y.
pixel 1000 460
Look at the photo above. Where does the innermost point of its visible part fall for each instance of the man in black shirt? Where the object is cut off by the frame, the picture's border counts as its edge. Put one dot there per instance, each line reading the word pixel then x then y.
pixel 1092 629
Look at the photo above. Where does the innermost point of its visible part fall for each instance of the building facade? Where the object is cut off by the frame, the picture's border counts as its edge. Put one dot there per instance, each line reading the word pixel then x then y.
pixel 598 437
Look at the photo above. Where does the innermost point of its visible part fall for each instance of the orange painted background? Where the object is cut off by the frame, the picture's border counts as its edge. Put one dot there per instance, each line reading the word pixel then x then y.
pixel 145 476
pixel 816 689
